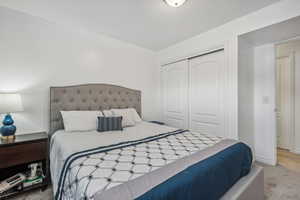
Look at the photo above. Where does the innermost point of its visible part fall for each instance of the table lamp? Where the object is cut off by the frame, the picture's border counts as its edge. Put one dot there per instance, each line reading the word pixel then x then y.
pixel 9 103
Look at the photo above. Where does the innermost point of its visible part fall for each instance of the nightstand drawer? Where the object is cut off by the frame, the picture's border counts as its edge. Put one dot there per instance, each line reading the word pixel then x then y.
pixel 22 153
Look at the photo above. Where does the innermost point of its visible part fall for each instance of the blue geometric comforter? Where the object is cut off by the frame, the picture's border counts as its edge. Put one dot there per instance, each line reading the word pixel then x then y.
pixel 209 179
pixel 178 165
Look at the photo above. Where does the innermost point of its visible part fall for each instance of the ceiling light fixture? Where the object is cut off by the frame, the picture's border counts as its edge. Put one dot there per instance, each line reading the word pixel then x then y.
pixel 175 3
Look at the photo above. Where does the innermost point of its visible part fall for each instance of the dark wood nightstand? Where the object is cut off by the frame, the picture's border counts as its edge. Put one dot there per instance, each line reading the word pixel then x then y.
pixel 17 154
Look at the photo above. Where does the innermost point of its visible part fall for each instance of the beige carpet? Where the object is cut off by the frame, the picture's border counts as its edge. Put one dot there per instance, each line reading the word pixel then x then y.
pixel 280 184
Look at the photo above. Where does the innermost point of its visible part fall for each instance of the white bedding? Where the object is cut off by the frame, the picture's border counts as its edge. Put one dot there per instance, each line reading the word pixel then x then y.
pixel 99 170
pixel 64 144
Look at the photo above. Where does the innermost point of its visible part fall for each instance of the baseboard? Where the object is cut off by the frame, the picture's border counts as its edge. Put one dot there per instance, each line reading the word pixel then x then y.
pixel 265 160
pixel 297 150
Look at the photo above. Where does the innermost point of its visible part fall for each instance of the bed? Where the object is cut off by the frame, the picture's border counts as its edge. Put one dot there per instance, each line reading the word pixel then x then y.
pixel 146 161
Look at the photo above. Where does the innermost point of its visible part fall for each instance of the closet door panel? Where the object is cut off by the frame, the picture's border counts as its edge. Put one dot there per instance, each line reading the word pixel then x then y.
pixel 206 94
pixel 175 91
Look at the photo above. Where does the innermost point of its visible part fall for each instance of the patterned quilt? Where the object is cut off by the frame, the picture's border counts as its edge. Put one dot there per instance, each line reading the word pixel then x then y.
pixel 97 170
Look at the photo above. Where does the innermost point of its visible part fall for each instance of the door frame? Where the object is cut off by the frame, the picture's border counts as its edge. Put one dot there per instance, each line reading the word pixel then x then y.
pixel 291 58
pixel 291 147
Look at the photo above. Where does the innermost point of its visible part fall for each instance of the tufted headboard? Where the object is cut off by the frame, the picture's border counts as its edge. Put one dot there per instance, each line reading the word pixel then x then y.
pixel 90 97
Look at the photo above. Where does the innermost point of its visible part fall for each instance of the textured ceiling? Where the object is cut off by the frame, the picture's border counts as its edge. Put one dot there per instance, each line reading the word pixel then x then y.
pixel 147 23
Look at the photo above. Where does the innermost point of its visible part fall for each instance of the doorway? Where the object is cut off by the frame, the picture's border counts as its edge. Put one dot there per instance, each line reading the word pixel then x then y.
pixel 285 100
pixel 288 103
pixel 269 90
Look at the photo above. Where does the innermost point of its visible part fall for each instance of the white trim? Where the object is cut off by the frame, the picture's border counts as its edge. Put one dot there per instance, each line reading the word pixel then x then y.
pixel 231 104
pixel 265 160
pixel 291 103
pixel 273 114
pixel 288 40
pixel 198 53
pixel 292 107
pixel 297 150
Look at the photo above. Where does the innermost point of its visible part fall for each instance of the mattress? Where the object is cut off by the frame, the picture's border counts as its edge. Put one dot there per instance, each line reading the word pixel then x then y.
pixel 132 163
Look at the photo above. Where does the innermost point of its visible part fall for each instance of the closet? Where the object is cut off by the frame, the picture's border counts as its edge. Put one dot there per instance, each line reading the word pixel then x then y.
pixel 175 94
pixel 194 93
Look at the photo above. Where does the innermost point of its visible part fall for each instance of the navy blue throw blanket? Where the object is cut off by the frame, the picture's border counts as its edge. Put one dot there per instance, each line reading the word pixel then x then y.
pixel 209 179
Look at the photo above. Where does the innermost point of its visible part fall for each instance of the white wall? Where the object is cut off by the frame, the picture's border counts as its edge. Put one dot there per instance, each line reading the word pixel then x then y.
pixel 36 54
pixel 264 103
pixel 246 92
pixel 275 13
pixel 227 36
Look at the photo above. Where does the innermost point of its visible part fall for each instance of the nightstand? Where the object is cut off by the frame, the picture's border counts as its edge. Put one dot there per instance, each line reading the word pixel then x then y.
pixel 16 155
pixel 157 122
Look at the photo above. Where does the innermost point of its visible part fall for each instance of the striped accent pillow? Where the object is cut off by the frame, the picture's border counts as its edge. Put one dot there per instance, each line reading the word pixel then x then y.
pixel 109 124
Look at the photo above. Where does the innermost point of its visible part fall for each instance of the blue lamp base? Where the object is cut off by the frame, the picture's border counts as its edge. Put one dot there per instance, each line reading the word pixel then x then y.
pixel 8 128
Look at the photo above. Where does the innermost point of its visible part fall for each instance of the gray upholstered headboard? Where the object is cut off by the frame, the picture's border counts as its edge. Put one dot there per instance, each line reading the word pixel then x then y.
pixel 90 97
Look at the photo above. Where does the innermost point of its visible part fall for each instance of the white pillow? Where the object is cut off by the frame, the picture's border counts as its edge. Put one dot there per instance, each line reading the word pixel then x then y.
pixel 128 119
pixel 108 113
pixel 80 120
pixel 135 115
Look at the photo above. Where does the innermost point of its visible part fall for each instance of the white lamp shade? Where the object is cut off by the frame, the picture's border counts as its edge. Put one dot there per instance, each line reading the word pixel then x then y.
pixel 175 3
pixel 10 103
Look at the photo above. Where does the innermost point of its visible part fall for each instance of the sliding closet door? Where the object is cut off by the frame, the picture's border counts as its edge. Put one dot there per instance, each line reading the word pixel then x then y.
pixel 207 87
pixel 175 94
